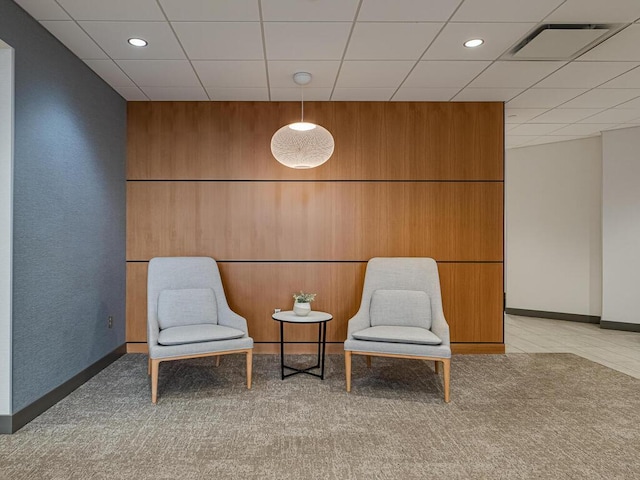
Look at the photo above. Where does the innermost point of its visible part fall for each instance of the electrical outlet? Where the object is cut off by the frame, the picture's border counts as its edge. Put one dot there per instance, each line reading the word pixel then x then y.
pixel 110 321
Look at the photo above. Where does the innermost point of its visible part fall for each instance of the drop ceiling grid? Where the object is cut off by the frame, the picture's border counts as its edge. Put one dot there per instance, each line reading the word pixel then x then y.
pixel 406 50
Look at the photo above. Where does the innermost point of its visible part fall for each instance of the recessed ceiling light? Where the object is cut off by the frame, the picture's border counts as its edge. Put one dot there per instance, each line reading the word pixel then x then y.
pixel 138 42
pixel 475 42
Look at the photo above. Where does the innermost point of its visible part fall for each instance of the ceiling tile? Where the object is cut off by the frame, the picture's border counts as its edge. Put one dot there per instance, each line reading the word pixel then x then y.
pixel 544 97
pixel 309 11
pixel 185 94
pixel 362 94
pixel 628 80
pixel 293 94
pixel 306 41
pixel 43 9
pixel 444 74
pixel 535 129
pixel 74 38
pixel 603 98
pixel 487 94
pixel 614 115
pixel 565 115
pixel 596 11
pixel 498 37
pixel 131 94
pixel 585 74
pixel 514 74
pixel 553 139
pixel 160 73
pixel 635 103
pixel 238 94
pixel 128 10
pixel 113 36
pixel 407 10
pixel 208 11
pixel 390 41
pixel 220 40
pixel 355 74
pixel 501 11
pixel 110 73
pixel 224 40
pixel 622 46
pixel 231 73
pixel 408 94
pixel 517 140
pixel 521 115
pixel 323 72
pixel 582 129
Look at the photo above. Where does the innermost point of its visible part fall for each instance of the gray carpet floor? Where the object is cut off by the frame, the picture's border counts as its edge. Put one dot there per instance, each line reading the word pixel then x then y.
pixel 555 416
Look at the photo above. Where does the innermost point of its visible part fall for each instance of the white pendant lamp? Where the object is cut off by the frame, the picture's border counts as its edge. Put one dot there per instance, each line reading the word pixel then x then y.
pixel 302 144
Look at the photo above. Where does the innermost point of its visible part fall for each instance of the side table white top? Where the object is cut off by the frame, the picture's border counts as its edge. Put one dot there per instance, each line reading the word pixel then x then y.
pixel 291 317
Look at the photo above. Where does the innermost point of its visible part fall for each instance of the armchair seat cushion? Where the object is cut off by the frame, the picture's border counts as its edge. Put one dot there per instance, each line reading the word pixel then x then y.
pixel 396 334
pixel 197 333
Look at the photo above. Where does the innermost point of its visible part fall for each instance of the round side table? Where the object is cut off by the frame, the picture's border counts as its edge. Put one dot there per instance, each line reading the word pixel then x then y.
pixel 321 318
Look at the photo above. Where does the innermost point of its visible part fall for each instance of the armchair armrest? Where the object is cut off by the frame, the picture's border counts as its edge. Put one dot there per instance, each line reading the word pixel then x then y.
pixel 153 331
pixel 440 327
pixel 232 319
pixel 358 322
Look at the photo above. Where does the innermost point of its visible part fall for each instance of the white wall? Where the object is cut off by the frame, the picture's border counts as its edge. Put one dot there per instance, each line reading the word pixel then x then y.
pixel 6 201
pixel 621 226
pixel 553 227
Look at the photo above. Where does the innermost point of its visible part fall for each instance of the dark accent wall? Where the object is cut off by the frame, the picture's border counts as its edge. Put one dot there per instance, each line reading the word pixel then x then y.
pixel 69 211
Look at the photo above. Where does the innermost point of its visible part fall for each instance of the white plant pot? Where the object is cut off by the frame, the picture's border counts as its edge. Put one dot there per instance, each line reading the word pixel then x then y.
pixel 301 309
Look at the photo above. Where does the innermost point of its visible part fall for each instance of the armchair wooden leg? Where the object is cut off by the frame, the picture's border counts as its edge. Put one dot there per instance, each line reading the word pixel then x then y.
pixel 218 360
pixel 347 368
pixel 149 366
pixel 155 364
pixel 249 365
pixel 368 361
pixel 437 367
pixel 447 367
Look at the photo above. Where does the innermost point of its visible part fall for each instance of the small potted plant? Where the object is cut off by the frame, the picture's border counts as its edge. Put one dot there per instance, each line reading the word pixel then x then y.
pixel 302 303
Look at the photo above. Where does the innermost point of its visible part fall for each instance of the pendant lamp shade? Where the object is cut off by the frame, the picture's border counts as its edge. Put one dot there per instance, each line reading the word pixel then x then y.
pixel 302 144
pixel 302 148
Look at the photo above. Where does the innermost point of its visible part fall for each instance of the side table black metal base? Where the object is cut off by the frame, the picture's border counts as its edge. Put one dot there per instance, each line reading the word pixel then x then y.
pixel 322 343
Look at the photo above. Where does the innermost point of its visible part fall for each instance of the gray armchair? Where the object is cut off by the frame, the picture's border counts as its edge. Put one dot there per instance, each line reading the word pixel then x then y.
pixel 400 315
pixel 188 315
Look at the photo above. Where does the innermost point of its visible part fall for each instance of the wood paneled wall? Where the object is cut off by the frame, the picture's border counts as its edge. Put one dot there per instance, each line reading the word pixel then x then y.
pixel 406 179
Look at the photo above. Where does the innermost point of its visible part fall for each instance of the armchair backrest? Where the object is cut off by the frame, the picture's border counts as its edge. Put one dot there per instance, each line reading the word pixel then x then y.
pixel 402 273
pixel 198 274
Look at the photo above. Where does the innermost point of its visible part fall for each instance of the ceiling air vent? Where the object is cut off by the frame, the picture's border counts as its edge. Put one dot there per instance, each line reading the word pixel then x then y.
pixel 561 42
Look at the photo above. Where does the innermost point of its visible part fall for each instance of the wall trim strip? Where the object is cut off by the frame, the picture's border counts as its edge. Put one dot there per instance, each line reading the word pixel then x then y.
pixel 327 261
pixel 626 327
pixel 571 317
pixel 337 348
pixel 13 423
pixel 275 180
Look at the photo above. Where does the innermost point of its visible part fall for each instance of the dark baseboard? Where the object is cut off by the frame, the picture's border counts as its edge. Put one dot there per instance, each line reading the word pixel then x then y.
pixel 571 317
pixel 626 327
pixel 12 423
pixel 5 424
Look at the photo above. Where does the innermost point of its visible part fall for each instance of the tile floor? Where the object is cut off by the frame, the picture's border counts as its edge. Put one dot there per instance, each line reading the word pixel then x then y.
pixel 612 348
